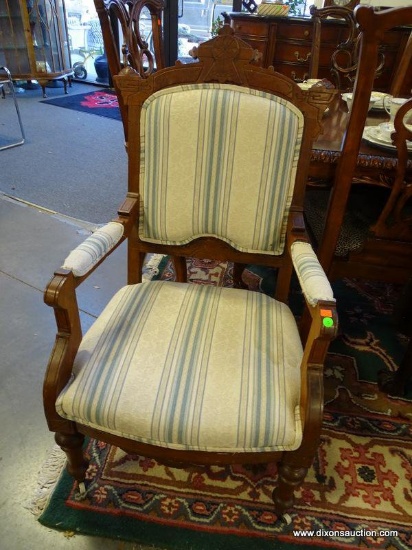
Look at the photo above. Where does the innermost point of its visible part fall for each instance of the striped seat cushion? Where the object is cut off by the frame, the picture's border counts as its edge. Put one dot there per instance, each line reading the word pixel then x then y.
pixel 218 160
pixel 190 367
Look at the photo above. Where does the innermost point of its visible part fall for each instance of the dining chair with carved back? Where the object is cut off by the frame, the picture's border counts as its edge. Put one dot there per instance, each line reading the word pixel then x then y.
pixel 188 372
pixel 132 37
pixel 385 250
pixel 343 58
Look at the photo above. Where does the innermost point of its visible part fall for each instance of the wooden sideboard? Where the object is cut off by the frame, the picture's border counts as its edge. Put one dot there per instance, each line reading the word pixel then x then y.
pixel 285 43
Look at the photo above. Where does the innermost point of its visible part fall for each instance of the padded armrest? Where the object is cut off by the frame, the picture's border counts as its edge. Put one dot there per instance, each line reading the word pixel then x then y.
pixel 312 278
pixel 85 256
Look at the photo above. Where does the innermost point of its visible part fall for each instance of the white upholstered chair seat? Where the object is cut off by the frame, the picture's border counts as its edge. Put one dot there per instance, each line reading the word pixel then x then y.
pixel 190 367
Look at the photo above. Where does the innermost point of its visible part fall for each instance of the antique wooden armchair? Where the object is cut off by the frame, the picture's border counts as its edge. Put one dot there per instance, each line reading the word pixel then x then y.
pixel 386 251
pixel 186 372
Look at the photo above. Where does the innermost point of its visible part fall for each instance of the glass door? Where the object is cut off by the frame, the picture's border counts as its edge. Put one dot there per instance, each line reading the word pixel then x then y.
pixel 86 42
pixel 186 24
pixel 190 22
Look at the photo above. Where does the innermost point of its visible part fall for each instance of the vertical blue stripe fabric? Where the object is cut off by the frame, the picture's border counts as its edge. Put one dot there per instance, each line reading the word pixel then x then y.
pixel 218 160
pixel 312 278
pixel 190 367
pixel 87 254
pixel 187 364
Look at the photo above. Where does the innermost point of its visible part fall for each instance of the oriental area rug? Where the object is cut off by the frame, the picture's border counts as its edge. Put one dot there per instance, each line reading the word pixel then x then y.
pixel 101 102
pixel 358 492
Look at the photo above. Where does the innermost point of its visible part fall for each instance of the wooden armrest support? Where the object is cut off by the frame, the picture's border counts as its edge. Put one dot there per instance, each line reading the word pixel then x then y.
pixel 320 322
pixel 129 206
pixel 324 320
pixel 60 294
pixel 298 226
pixel 128 212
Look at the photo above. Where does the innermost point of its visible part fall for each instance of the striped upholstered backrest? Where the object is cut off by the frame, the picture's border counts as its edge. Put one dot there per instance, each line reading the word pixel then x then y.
pixel 218 160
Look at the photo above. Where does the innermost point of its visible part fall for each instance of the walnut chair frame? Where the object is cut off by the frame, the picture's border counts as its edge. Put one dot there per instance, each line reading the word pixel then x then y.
pixel 387 252
pixel 223 61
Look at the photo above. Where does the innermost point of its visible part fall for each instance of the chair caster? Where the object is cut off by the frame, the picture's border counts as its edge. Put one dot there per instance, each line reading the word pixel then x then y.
pixel 286 519
pixel 82 490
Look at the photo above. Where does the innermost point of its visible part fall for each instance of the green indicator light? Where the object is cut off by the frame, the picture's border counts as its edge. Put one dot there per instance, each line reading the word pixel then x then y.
pixel 328 322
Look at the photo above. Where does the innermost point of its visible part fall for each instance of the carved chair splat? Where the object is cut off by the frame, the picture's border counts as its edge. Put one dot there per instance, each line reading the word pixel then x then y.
pixel 344 59
pixel 125 46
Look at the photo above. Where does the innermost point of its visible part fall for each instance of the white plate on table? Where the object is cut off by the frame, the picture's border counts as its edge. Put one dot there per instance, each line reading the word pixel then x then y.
pixel 373 136
pixel 378 105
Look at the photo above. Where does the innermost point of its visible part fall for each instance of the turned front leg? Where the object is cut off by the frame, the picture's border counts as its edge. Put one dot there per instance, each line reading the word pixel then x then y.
pixel 290 478
pixel 72 445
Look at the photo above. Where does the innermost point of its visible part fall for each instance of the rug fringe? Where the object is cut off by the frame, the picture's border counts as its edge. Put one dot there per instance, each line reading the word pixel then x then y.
pixel 151 266
pixel 47 480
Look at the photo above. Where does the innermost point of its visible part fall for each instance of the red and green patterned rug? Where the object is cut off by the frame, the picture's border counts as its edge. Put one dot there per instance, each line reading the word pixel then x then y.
pixel 357 493
pixel 101 102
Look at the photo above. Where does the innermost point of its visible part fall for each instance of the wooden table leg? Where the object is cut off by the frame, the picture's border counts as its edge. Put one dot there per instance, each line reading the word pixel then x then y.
pixel 394 383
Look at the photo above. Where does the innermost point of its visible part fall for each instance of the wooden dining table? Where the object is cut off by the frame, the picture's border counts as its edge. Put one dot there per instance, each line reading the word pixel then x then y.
pixel 376 165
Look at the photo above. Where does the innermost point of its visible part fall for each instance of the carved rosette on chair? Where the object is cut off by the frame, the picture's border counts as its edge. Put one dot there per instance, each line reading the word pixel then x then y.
pixel 218 162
